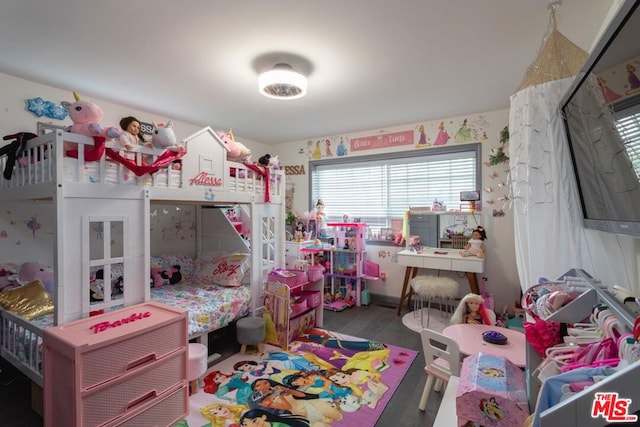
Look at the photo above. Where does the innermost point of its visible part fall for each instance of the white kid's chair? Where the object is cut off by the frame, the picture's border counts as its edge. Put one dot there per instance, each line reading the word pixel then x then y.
pixel 442 359
pixel 492 316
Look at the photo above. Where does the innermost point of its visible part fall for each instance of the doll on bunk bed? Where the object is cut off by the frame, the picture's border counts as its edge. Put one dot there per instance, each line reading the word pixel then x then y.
pixel 475 245
pixel 471 310
pixel 131 135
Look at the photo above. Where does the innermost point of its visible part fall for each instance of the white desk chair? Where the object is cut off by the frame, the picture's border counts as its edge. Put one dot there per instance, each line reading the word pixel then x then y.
pixel 442 359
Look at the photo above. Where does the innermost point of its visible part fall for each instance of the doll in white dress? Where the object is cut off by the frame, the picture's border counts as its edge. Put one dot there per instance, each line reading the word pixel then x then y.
pixel 475 245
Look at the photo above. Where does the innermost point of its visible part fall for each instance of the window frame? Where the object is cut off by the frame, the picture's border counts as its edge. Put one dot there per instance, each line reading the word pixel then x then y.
pixel 626 113
pixel 475 147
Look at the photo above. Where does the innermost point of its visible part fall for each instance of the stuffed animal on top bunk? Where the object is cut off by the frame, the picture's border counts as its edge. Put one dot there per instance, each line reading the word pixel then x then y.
pixel 14 150
pixel 163 137
pixel 236 151
pixel 272 163
pixel 86 117
pixel 275 165
pixel 265 160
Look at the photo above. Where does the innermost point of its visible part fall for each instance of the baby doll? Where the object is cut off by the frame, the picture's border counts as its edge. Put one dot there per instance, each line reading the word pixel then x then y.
pixel 471 310
pixel 475 246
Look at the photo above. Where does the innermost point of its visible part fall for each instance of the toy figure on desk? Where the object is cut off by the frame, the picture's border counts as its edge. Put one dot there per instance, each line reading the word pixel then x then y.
pixel 299 233
pixel 475 246
pixel 320 214
pixel 471 310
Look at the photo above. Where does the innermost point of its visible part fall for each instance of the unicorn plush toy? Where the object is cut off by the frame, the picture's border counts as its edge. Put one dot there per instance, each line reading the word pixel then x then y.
pixel 86 117
pixel 236 151
pixel 163 137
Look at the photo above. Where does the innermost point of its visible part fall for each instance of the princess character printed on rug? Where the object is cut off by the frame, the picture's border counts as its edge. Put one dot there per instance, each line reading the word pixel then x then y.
pixel 324 379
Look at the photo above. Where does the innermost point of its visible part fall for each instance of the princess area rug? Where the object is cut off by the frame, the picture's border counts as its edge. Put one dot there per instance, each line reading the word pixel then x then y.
pixel 324 379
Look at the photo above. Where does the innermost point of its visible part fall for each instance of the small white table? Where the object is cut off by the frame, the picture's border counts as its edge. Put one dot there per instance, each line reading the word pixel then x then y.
pixel 438 259
pixel 447 413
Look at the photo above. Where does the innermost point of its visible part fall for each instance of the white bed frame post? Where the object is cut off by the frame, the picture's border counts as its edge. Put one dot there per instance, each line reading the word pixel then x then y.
pixel 267 246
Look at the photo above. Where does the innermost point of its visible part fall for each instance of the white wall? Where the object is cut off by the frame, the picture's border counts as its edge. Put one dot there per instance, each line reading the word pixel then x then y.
pixel 500 265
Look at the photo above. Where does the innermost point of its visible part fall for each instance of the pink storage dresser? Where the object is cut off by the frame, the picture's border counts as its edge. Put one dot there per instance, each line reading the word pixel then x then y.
pixel 291 278
pixel 123 367
pixel 491 392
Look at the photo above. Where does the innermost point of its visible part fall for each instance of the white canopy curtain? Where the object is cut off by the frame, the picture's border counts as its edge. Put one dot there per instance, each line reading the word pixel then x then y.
pixel 549 235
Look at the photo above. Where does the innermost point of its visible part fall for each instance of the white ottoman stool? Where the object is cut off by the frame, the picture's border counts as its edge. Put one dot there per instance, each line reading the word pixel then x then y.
pixel 197 365
pixel 251 331
pixel 428 288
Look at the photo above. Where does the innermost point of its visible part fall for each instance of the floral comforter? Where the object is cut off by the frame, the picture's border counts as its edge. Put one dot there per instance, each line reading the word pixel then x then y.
pixel 210 307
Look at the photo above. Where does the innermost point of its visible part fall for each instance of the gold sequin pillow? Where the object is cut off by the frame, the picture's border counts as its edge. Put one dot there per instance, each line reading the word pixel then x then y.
pixel 29 301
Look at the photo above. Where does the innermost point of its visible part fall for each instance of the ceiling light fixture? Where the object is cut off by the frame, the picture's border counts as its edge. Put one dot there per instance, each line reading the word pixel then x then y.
pixel 282 82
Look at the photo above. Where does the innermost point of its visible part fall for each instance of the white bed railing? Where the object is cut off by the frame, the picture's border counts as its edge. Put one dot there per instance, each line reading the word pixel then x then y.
pixel 43 161
pixel 21 345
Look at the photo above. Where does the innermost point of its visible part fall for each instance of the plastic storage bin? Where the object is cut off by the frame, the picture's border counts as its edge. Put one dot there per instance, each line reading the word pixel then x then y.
pixel 290 278
pixel 313 298
pixel 316 272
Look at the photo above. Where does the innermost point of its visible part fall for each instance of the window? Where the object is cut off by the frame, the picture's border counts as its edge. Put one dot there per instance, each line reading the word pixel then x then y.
pixel 628 123
pixel 380 189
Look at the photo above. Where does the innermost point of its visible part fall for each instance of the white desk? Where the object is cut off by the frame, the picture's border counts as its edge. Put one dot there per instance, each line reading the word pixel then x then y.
pixel 450 260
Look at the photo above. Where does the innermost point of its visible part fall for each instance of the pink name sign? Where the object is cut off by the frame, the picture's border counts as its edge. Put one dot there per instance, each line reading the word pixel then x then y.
pixel 382 141
pixel 204 178
pixel 103 326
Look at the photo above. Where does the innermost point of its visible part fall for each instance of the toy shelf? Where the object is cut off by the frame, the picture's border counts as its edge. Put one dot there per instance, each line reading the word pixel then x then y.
pixel 293 308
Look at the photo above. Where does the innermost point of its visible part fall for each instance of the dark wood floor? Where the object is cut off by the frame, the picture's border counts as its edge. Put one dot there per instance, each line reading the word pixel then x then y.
pixel 375 322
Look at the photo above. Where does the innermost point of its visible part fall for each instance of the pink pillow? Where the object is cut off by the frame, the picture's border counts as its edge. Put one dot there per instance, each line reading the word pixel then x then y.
pixel 224 270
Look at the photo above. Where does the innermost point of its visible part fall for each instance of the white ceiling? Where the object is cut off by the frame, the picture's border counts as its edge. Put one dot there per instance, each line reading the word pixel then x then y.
pixel 371 63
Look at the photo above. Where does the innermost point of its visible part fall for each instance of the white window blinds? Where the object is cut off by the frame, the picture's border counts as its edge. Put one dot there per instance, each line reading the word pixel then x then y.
pixel 377 189
pixel 628 124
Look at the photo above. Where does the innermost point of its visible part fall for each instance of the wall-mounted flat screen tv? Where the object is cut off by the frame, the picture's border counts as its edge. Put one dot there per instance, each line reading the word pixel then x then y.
pixel 602 120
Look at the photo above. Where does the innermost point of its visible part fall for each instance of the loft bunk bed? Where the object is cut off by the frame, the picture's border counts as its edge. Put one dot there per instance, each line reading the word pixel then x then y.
pixel 80 196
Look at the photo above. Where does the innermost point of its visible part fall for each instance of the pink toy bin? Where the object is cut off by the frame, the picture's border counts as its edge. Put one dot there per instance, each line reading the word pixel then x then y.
pixel 291 278
pixel 315 272
pixel 314 298
pixel 491 392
